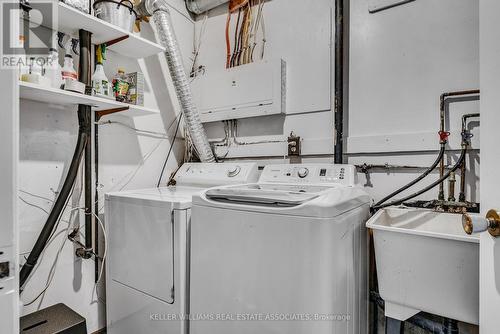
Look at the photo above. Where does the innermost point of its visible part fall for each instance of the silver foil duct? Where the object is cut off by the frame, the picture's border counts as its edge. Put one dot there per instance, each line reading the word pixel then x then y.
pixel 201 6
pixel 160 13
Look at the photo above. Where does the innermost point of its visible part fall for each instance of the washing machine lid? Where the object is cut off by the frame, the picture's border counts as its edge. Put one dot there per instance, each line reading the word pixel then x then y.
pixel 266 194
pixel 178 197
pixel 288 199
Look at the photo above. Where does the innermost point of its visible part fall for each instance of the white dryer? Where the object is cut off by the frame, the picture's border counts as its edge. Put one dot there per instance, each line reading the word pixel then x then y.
pixel 286 255
pixel 147 269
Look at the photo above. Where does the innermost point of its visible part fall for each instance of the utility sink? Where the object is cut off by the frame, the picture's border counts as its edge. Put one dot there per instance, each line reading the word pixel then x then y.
pixel 426 262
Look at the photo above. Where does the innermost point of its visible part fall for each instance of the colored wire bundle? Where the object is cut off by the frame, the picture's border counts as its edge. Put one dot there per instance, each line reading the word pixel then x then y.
pixel 249 21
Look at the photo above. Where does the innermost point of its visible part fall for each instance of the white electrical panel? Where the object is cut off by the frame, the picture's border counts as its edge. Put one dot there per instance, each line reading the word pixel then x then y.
pixel 256 89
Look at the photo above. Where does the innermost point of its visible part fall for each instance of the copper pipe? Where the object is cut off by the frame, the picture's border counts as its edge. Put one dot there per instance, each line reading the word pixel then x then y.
pixel 442 114
pixel 451 187
pixel 465 145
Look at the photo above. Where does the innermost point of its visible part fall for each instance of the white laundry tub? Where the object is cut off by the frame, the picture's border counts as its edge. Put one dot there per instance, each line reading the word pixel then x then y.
pixel 426 262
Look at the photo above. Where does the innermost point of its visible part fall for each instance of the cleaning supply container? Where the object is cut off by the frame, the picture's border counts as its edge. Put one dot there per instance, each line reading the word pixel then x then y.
pixel 119 13
pixel 426 262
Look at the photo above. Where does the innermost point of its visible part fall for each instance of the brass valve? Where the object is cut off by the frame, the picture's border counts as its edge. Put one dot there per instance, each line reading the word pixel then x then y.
pixel 476 224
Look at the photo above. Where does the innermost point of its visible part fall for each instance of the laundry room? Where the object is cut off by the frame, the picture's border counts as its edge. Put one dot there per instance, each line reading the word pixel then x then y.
pixel 249 166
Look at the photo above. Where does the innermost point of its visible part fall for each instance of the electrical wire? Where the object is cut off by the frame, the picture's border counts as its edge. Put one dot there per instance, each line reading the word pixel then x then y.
pixel 236 38
pixel 169 152
pixel 104 256
pixel 197 42
pixel 140 131
pixel 234 132
pixel 228 41
pixel 52 237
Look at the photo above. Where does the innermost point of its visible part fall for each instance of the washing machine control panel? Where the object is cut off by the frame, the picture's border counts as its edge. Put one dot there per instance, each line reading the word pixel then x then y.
pixel 216 174
pixel 310 174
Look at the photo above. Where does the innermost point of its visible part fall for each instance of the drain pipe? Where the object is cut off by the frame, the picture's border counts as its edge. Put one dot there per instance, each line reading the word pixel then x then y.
pixel 61 200
pixel 466 136
pixel 442 125
pixel 84 75
pixel 160 13
pixel 339 82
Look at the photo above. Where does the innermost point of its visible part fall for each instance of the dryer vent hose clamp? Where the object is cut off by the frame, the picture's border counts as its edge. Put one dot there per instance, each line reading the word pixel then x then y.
pixel 160 13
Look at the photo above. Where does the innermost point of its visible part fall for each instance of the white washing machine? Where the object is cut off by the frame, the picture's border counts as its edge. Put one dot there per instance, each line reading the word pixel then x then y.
pixel 147 269
pixel 286 255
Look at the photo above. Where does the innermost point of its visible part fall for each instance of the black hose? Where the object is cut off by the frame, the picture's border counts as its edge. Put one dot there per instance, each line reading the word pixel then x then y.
pixel 418 179
pixel 429 187
pixel 59 204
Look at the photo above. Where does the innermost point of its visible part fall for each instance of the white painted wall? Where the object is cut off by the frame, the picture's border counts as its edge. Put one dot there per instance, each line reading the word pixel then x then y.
pixel 490 183
pixel 126 160
pixel 401 61
pixel 301 33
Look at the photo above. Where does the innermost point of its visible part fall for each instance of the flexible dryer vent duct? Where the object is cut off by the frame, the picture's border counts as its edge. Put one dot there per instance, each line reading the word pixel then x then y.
pixel 160 13
pixel 201 6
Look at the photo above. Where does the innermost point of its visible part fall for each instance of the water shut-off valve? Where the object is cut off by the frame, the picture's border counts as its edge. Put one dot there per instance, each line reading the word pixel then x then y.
pixel 476 224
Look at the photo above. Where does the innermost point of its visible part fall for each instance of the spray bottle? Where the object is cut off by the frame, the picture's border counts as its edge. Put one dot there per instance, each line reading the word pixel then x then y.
pixel 100 84
pixel 53 69
pixel 68 71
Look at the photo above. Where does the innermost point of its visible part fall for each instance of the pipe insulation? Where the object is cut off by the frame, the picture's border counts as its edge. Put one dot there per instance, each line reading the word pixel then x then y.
pixel 201 6
pixel 160 13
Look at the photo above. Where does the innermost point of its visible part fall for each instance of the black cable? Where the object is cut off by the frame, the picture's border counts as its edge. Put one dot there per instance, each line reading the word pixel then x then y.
pixel 169 151
pixel 426 189
pixel 418 179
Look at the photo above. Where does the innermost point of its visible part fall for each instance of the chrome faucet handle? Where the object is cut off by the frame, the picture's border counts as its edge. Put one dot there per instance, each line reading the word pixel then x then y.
pixel 477 224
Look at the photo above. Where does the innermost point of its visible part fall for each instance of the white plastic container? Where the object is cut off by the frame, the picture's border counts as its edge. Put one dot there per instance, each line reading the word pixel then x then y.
pixel 68 70
pixel 100 84
pixel 426 262
pixel 53 69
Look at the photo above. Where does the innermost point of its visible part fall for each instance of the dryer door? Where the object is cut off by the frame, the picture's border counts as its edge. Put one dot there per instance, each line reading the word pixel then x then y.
pixel 141 242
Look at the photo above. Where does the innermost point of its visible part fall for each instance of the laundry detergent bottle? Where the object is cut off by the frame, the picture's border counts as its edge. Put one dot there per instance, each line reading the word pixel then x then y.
pixel 100 84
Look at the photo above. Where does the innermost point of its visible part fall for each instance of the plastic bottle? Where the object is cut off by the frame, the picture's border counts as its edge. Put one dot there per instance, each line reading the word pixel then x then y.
pixel 120 85
pixel 68 71
pixel 53 70
pixel 100 83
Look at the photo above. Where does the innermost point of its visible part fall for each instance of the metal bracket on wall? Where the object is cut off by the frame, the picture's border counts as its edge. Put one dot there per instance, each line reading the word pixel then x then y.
pixel 105 112
pixel 381 5
pixel 116 40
